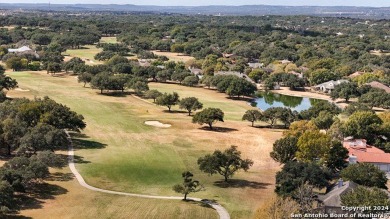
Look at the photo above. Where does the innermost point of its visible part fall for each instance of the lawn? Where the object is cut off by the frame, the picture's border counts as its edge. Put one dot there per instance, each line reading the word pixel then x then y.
pixel 86 53
pixel 119 152
pixel 68 199
pixel 108 40
pixel 233 109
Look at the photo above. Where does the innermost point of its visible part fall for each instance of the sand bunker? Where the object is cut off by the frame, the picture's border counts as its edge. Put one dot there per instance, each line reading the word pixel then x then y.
pixel 20 89
pixel 158 124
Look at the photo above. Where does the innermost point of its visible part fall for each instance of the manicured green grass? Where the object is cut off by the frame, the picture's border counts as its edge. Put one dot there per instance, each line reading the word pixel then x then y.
pixel 108 40
pixel 74 201
pixel 233 109
pixel 87 52
pixel 121 153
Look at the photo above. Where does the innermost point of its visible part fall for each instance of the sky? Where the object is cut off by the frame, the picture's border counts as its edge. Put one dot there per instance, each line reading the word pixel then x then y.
pixel 373 3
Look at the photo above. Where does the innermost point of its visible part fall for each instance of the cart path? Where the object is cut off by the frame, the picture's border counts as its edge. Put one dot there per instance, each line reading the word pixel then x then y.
pixel 222 212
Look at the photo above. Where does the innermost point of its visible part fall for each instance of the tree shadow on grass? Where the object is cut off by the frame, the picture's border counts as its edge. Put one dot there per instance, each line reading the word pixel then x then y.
pixel 175 111
pixel 15 217
pixel 80 159
pixel 79 143
pixel 34 199
pixel 62 177
pixel 218 129
pixel 275 127
pixel 246 99
pixel 117 93
pixel 46 191
pixel 240 183
pixel 83 141
pixel 204 203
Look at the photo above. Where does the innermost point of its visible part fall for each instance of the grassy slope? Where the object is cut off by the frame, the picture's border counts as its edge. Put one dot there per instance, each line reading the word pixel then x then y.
pixel 88 52
pixel 73 201
pixel 108 40
pixel 210 98
pixel 139 158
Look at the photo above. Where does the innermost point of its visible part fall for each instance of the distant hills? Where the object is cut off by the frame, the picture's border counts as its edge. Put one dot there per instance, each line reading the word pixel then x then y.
pixel 218 10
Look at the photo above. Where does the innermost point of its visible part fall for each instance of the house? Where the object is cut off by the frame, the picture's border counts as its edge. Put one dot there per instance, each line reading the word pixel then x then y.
pixel 144 62
pixel 361 152
pixel 255 65
pixel 24 50
pixel 300 75
pixel 21 49
pixel 328 86
pixel 284 61
pixel 195 71
pixel 331 201
pixel 356 74
pixel 236 73
pixel 379 85
pixel 229 55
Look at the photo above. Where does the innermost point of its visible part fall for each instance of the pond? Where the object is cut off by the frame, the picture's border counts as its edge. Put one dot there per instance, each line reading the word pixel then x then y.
pixel 267 100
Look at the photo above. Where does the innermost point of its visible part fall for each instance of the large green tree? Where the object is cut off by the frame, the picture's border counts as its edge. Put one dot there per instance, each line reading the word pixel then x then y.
pixel 252 116
pixel 152 94
pixel 15 63
pixel 168 100
pixel 284 149
pixel 101 81
pixel 319 106
pixel 240 87
pixel 362 124
pixel 345 91
pixel 336 158
pixel 324 120
pixel 190 104
pixel 85 78
pixel 294 174
pixel 363 196
pixel 7 198
pixel 313 145
pixel 365 174
pixel 208 116
pixel 273 114
pixel 225 163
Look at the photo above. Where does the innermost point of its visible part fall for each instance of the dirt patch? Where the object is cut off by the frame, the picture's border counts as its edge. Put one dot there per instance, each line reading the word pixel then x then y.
pixel 22 90
pixel 157 124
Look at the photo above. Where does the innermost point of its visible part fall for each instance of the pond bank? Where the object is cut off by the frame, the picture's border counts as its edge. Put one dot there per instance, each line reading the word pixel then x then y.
pixel 287 91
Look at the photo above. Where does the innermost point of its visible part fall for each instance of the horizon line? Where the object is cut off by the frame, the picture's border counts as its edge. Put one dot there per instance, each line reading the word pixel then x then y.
pixel 280 5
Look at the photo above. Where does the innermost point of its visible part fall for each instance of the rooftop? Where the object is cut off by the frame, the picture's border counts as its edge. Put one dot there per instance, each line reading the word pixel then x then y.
pixel 21 49
pixel 379 85
pixel 332 198
pixel 365 153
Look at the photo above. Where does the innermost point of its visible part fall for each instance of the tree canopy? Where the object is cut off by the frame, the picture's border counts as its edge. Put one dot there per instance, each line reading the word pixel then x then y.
pixel 225 163
pixel 295 174
pixel 252 116
pixel 168 100
pixel 365 174
pixel 188 186
pixel 284 149
pixel 208 116
pixel 190 104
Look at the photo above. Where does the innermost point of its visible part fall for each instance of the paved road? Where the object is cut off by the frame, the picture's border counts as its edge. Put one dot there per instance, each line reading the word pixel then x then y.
pixel 223 214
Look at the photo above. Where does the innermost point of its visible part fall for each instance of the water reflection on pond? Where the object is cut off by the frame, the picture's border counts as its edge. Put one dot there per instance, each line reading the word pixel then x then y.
pixel 267 100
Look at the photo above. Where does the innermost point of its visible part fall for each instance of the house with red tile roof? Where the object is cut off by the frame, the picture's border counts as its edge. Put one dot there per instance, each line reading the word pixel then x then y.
pixel 361 152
